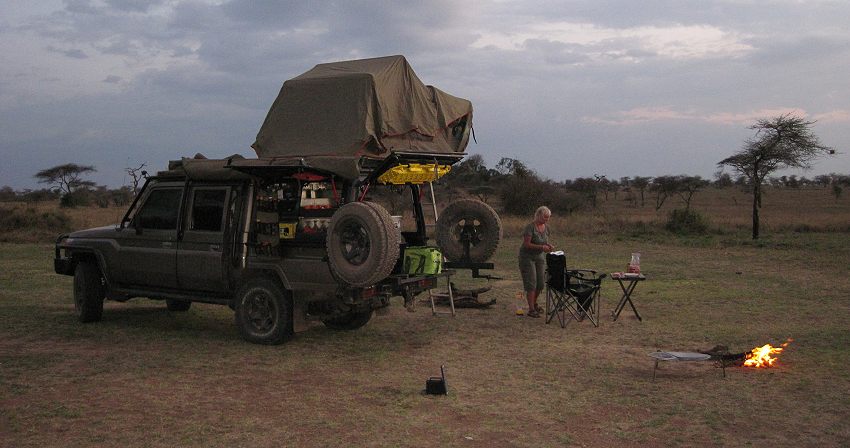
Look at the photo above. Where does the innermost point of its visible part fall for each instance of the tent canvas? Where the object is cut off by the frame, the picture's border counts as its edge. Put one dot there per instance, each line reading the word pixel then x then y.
pixel 366 107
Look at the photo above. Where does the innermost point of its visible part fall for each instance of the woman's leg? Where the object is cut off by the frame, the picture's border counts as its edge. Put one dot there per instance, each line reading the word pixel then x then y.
pixel 528 270
pixel 539 279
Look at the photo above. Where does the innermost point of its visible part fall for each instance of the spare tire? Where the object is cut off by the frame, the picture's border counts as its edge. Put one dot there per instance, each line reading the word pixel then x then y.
pixel 362 244
pixel 473 220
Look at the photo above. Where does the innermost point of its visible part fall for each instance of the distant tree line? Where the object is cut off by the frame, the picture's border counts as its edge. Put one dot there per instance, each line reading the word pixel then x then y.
pixel 520 189
pixel 67 184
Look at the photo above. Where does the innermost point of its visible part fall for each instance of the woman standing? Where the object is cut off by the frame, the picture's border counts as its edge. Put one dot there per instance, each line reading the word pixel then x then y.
pixel 532 258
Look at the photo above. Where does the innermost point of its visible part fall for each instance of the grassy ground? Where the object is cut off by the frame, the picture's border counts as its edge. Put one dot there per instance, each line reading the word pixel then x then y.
pixel 147 377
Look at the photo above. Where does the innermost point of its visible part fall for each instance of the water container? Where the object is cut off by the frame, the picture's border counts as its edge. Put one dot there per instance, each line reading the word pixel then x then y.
pixel 634 264
pixel 520 303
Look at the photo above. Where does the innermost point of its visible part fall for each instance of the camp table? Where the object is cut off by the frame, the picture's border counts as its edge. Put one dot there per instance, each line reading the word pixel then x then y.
pixel 627 282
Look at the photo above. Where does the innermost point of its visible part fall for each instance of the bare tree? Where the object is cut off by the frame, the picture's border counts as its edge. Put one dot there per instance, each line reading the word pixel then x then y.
pixel 66 178
pixel 782 142
pixel 137 174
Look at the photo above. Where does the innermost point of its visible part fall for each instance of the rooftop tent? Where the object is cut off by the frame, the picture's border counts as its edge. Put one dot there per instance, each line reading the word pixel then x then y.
pixel 365 107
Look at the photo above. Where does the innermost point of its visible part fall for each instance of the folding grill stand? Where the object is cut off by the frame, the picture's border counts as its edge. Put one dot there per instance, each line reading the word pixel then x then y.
pixel 432 295
pixel 680 357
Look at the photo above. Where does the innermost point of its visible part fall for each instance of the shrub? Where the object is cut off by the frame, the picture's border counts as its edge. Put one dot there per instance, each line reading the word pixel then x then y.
pixel 521 196
pixel 686 222
pixel 29 219
pixel 76 198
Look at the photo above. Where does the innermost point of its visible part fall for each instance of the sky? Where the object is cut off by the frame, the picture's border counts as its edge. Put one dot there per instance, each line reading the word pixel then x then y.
pixel 571 88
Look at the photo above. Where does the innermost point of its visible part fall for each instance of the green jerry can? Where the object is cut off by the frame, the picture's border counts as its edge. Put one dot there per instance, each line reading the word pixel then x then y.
pixel 423 260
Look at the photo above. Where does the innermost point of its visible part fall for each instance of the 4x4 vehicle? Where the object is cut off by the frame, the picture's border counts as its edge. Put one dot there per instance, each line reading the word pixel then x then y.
pixel 281 242
pixel 292 235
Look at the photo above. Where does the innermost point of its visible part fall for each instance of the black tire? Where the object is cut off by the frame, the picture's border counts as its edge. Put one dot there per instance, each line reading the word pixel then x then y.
pixel 177 305
pixel 263 312
pixel 88 292
pixel 362 244
pixel 350 321
pixel 478 219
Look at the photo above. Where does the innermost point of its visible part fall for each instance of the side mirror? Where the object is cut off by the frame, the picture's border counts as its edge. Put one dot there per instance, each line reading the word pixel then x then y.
pixel 136 225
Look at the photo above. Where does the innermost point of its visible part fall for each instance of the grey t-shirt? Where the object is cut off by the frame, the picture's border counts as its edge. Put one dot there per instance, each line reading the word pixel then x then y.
pixel 539 238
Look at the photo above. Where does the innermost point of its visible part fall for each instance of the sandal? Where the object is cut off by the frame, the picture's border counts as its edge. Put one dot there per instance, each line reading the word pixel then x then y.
pixel 533 313
pixel 538 308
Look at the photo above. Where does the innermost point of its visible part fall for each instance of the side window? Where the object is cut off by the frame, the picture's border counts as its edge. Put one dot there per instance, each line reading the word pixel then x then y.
pixel 160 210
pixel 208 209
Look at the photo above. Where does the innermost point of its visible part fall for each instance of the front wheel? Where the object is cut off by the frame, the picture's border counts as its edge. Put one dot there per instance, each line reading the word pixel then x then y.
pixel 263 312
pixel 88 292
pixel 350 321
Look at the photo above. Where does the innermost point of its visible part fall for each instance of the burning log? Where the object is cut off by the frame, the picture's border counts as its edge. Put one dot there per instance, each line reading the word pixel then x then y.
pixel 758 357
pixel 761 357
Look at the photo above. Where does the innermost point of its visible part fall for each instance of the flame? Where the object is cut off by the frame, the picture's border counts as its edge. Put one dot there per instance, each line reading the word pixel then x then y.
pixel 762 356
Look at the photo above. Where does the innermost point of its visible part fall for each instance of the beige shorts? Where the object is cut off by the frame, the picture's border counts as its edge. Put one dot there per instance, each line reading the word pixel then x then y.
pixel 533 271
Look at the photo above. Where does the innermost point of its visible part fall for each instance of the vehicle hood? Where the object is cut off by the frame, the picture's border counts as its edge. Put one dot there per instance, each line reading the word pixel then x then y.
pixel 97 232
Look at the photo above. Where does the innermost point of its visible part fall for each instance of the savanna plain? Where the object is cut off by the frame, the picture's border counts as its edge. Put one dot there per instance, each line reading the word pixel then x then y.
pixel 150 378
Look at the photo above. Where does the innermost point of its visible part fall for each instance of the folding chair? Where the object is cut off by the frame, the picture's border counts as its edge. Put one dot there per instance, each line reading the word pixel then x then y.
pixel 573 291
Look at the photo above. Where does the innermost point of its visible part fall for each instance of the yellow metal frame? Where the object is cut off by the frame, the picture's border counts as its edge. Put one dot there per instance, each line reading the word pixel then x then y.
pixel 414 173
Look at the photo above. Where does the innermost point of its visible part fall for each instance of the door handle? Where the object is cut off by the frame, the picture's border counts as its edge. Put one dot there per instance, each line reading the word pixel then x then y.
pixel 167 244
pixel 215 248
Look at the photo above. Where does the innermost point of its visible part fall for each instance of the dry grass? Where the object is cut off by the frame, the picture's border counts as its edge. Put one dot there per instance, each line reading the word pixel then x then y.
pixel 147 377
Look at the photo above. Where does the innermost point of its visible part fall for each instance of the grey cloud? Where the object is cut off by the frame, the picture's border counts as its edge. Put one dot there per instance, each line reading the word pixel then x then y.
pixel 132 5
pixel 557 52
pixel 799 49
pixel 219 67
pixel 80 6
pixel 72 53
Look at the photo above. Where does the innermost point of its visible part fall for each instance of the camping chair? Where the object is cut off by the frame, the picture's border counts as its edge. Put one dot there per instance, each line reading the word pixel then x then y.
pixel 573 291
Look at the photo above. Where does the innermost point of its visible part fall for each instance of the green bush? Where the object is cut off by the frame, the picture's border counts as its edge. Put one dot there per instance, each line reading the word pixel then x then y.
pixel 29 219
pixel 521 196
pixel 686 222
pixel 78 198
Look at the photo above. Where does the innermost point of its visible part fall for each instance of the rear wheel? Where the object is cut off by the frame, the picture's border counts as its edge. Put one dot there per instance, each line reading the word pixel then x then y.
pixel 263 312
pixel 362 244
pixel 350 321
pixel 469 220
pixel 178 305
pixel 88 292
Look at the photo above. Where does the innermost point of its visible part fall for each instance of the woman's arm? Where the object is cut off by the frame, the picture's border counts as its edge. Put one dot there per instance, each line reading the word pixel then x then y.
pixel 527 244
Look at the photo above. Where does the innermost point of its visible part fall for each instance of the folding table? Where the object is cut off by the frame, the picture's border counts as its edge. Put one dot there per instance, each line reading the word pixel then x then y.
pixel 627 282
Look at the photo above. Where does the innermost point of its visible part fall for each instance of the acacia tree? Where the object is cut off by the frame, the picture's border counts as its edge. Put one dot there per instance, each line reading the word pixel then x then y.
pixel 781 142
pixel 688 186
pixel 641 183
pixel 66 178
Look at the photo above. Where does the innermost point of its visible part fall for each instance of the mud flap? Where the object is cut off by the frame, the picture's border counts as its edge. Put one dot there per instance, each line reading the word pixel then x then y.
pixel 299 313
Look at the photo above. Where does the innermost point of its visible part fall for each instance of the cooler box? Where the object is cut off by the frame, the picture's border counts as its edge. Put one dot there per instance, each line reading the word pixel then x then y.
pixel 423 260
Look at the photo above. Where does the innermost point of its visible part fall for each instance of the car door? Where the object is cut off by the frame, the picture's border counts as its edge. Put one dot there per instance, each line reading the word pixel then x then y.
pixel 147 250
pixel 200 251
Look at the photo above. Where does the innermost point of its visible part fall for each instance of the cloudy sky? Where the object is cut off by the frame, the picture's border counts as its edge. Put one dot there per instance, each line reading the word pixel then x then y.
pixel 572 88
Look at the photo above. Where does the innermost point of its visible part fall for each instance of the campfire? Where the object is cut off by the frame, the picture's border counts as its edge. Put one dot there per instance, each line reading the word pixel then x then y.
pixel 764 356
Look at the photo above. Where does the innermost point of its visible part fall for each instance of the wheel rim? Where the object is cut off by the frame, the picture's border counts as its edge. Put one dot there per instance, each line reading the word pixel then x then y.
pixel 354 244
pixel 467 228
pixel 261 312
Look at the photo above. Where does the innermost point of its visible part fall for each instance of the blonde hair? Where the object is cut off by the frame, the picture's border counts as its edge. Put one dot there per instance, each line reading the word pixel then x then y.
pixel 542 210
